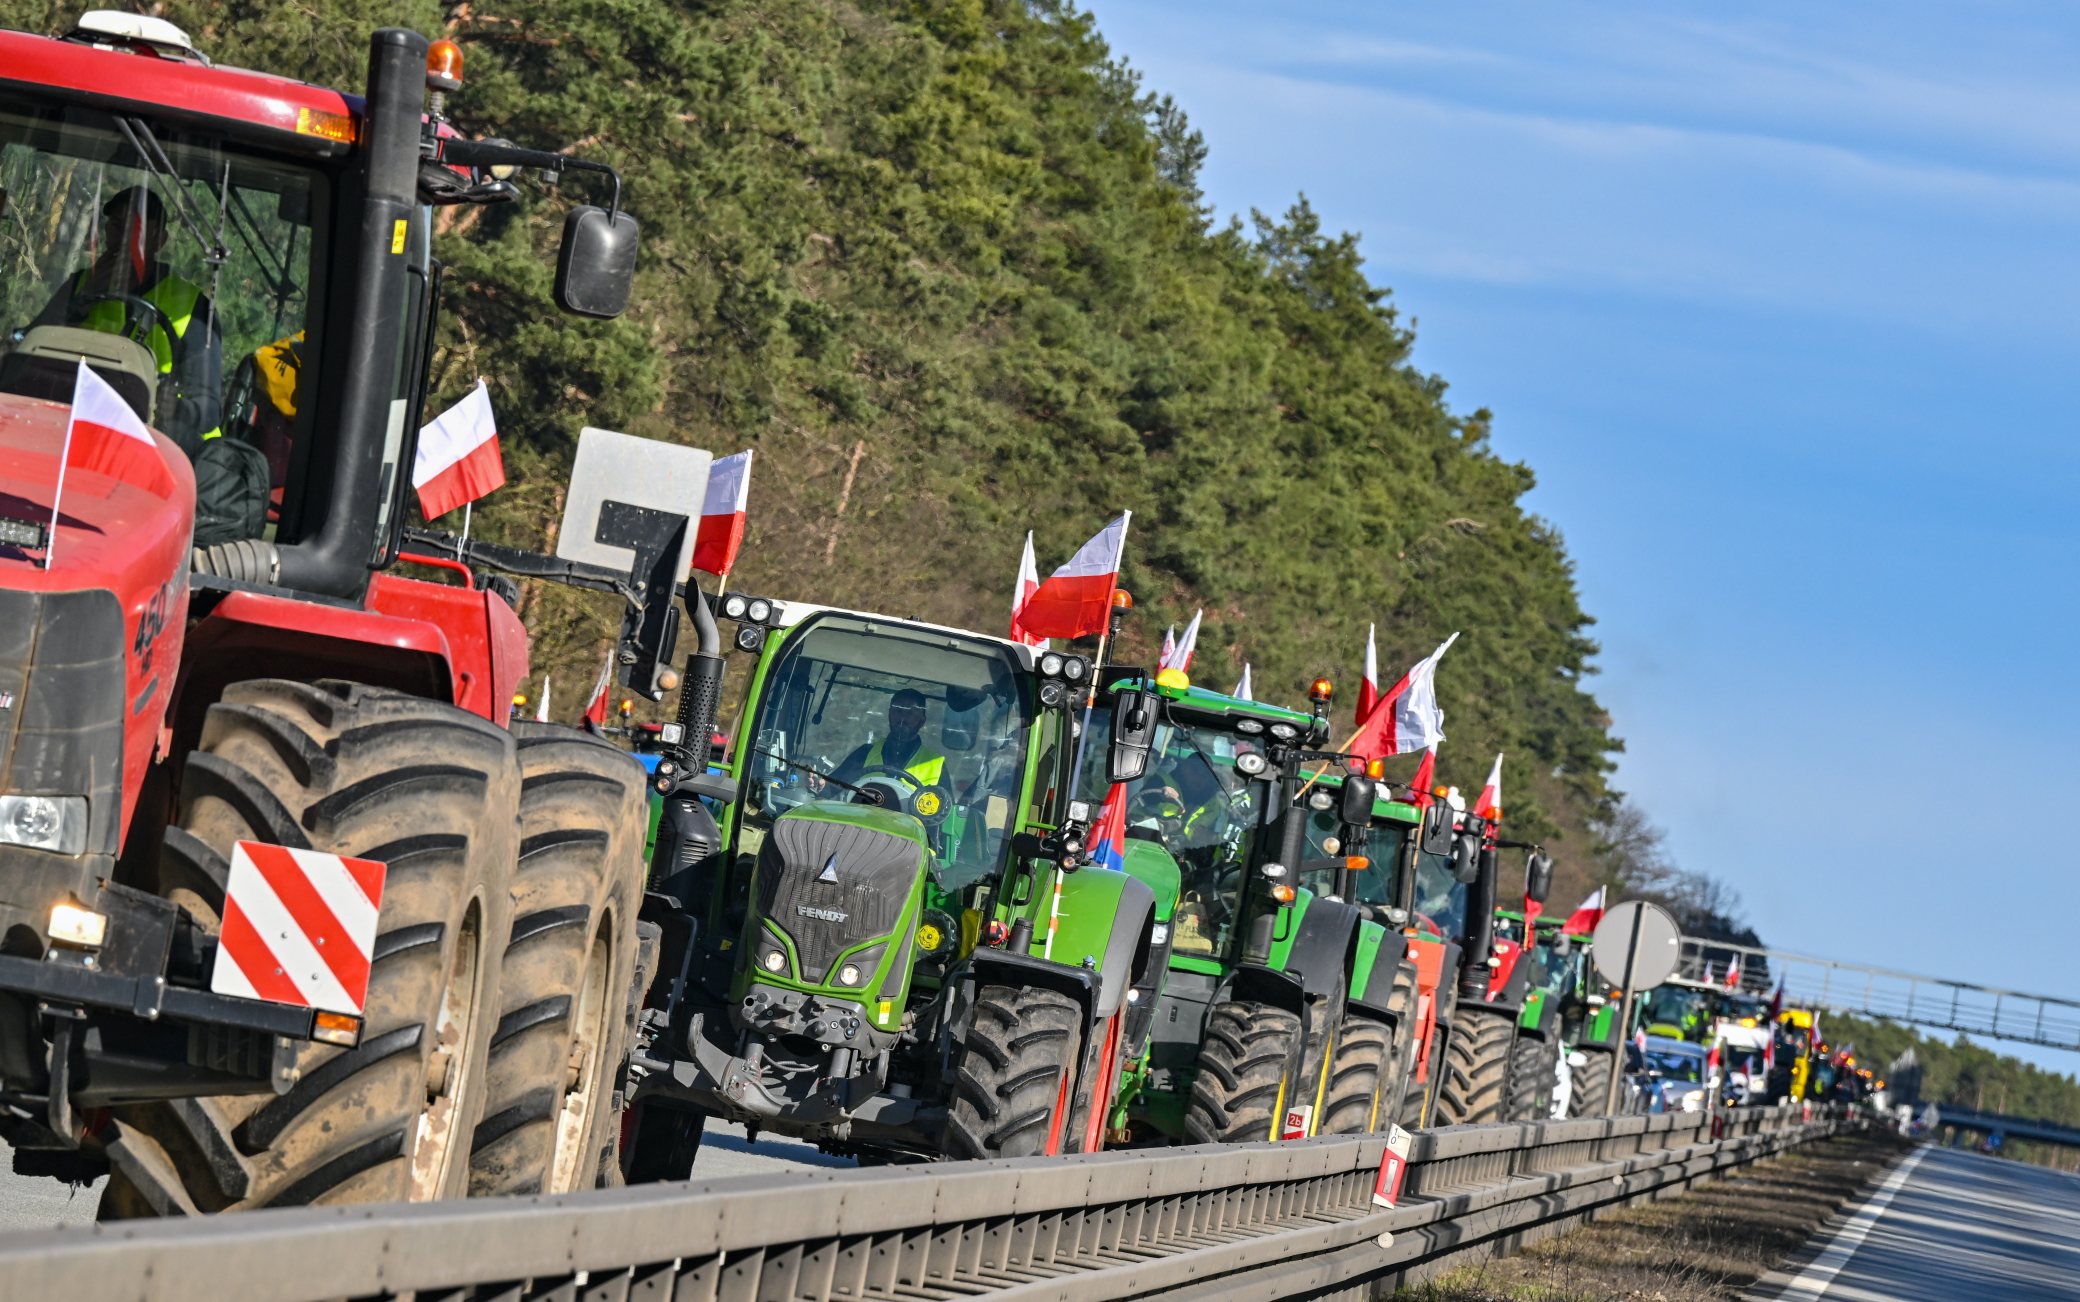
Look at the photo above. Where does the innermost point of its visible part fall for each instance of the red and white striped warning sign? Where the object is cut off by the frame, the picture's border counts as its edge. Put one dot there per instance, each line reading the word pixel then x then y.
pixel 299 927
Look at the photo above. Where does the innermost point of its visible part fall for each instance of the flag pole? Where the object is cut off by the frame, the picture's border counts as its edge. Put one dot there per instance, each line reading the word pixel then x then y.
pixel 465 523
pixel 1112 612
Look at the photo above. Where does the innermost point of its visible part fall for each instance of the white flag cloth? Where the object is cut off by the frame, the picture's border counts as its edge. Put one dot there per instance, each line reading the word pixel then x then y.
pixel 541 710
pixel 1179 654
pixel 1489 805
pixel 721 530
pixel 1408 717
pixel 1022 591
pixel 1242 689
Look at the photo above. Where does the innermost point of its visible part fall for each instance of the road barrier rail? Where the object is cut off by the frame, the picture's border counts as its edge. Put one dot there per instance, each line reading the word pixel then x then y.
pixel 1296 1219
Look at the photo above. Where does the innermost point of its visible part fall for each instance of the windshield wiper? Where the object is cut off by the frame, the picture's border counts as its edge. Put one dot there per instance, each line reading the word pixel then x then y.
pixel 147 145
pixel 872 796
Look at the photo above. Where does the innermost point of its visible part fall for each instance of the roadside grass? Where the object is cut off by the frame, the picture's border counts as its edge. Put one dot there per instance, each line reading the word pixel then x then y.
pixel 1704 1246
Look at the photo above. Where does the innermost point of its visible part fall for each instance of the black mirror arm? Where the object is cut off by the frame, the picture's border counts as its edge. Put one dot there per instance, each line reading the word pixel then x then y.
pixel 491 153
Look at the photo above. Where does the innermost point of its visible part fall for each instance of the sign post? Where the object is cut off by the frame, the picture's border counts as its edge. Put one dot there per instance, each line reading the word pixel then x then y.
pixel 1635 948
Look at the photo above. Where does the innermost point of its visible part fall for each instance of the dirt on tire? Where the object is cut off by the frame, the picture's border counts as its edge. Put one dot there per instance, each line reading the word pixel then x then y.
pixel 1242 1073
pixel 431 792
pixel 1476 1067
pixel 1361 1072
pixel 1592 1084
pixel 568 966
pixel 1013 1077
pixel 1534 1073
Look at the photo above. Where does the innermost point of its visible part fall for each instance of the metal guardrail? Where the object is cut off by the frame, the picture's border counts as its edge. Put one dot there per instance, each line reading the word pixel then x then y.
pixel 1236 1222
pixel 1898 996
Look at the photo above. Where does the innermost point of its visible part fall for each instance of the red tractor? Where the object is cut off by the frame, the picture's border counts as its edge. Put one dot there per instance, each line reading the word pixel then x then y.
pixel 213 672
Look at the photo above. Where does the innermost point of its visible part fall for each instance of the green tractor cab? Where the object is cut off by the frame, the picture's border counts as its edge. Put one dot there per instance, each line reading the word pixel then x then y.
pixel 1549 974
pixel 1275 1017
pixel 889 943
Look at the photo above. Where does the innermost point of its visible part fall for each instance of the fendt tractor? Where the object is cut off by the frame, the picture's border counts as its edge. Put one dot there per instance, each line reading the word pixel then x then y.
pixel 1277 1017
pixel 1537 1054
pixel 888 943
pixel 287 915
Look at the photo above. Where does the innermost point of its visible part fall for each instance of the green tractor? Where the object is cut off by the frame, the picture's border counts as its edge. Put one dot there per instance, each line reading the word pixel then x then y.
pixel 887 941
pixel 1276 1017
pixel 1540 1047
pixel 1589 1028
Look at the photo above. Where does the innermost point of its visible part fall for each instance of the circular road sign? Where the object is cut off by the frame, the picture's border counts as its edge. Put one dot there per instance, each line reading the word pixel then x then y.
pixel 1660 942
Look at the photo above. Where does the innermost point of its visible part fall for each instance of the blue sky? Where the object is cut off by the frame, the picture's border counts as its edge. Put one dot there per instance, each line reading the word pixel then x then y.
pixel 1781 303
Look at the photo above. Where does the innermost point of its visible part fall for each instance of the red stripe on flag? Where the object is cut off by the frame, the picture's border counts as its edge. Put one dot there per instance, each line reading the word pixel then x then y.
pixel 310 911
pixel 715 546
pixel 1068 606
pixel 476 473
pixel 240 943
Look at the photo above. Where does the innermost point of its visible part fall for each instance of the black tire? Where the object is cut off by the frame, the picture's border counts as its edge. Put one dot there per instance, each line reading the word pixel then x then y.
pixel 428 790
pixel 564 981
pixel 1361 1074
pixel 1241 1088
pixel 1592 1084
pixel 1534 1072
pixel 663 1140
pixel 1013 1079
pixel 1476 1067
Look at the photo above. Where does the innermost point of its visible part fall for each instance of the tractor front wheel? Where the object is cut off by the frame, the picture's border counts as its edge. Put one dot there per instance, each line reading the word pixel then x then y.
pixel 1592 1084
pixel 1241 1090
pixel 1534 1073
pixel 431 792
pixel 1361 1078
pixel 1015 1080
pixel 1476 1067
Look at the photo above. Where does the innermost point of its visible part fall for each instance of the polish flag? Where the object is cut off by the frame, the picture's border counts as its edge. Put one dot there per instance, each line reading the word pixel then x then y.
pixel 1368 687
pixel 1406 718
pixel 541 709
pixel 1076 600
pixel 1733 974
pixel 1169 651
pixel 1022 592
pixel 1586 915
pixel 596 712
pixel 722 514
pixel 1425 779
pixel 1108 847
pixel 1242 690
pixel 105 436
pixel 1179 656
pixel 1489 803
pixel 1776 1001
pixel 1639 1040
pixel 458 461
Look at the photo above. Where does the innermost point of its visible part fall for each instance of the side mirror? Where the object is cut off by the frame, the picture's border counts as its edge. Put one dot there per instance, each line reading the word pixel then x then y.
pixel 597 264
pixel 1538 877
pixel 1437 829
pixel 1466 860
pixel 1133 736
pixel 1358 795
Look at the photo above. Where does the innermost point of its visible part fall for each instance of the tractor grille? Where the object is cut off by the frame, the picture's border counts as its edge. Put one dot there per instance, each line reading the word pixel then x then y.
pixel 61 701
pixel 875 871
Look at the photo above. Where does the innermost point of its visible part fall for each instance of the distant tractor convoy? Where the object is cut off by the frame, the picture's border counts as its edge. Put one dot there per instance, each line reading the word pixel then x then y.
pixel 292 910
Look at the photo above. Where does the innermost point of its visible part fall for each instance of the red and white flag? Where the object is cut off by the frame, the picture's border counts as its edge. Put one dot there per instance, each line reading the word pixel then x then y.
pixel 722 514
pixel 1243 690
pixel 105 436
pixel 1733 974
pixel 596 711
pixel 1179 655
pixel 458 460
pixel 1076 600
pixel 1586 915
pixel 1425 779
pixel 1406 718
pixel 1776 1001
pixel 1368 686
pixel 1489 804
pixel 299 927
pixel 1169 651
pixel 1022 592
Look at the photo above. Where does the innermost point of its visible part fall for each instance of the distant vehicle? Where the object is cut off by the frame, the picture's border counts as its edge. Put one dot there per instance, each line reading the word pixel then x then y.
pixel 1671 1075
pixel 1741 1054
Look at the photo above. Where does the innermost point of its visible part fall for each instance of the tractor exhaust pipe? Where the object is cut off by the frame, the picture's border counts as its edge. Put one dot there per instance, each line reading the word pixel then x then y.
pixel 1479 942
pixel 333 558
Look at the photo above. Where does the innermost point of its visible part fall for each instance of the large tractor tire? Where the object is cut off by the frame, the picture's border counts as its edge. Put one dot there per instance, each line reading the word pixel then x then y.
pixel 1361 1078
pixel 564 984
pixel 1241 1090
pixel 1476 1068
pixel 1015 1080
pixel 1592 1084
pixel 1534 1073
pixel 431 792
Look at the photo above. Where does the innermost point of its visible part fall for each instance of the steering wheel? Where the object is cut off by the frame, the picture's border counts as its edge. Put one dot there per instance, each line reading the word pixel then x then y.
pixel 140 315
pixel 930 802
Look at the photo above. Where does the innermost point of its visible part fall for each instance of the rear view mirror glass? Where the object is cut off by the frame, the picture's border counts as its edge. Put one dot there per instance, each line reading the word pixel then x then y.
pixel 597 265
pixel 1437 829
pixel 1133 735
pixel 1538 877
pixel 1466 860
pixel 1358 794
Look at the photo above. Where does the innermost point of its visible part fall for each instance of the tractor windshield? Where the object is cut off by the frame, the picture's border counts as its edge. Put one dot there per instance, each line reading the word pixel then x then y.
pixel 1440 896
pixel 181 267
pixel 1384 846
pixel 1679 1012
pixel 910 718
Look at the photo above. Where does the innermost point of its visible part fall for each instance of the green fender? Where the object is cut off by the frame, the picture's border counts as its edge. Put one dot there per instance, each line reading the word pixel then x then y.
pixel 1102 922
pixel 1154 867
pixel 1375 955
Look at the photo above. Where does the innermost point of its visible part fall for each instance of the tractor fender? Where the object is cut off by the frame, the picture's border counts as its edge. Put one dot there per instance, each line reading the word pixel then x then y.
pixel 1372 981
pixel 1321 945
pixel 1105 923
pixel 1253 983
pixel 1029 971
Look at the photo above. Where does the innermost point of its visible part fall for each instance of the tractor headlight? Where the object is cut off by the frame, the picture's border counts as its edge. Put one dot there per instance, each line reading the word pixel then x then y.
pixel 774 959
pixel 1052 694
pixel 57 823
pixel 1332 845
pixel 733 606
pixel 1320 800
pixel 760 610
pixel 848 975
pixel 1250 726
pixel 1284 731
pixel 1051 665
pixel 748 637
pixel 1074 668
pixel 1249 763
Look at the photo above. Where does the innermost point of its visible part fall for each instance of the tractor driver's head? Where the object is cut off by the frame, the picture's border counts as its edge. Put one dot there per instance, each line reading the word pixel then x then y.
pixel 119 229
pixel 906 713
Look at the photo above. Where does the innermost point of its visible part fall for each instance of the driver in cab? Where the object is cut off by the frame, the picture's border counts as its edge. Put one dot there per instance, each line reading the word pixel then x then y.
pixel 176 320
pixel 903 748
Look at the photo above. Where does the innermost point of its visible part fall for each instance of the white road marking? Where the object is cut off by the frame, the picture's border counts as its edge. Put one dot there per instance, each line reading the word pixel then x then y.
pixel 1813 1281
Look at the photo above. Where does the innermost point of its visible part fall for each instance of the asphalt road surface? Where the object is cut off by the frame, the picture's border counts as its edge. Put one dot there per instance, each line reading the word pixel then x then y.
pixel 1954 1226
pixel 39 1204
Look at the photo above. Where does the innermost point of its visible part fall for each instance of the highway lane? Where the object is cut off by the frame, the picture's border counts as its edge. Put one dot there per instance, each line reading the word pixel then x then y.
pixel 1957 1226
pixel 39 1204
